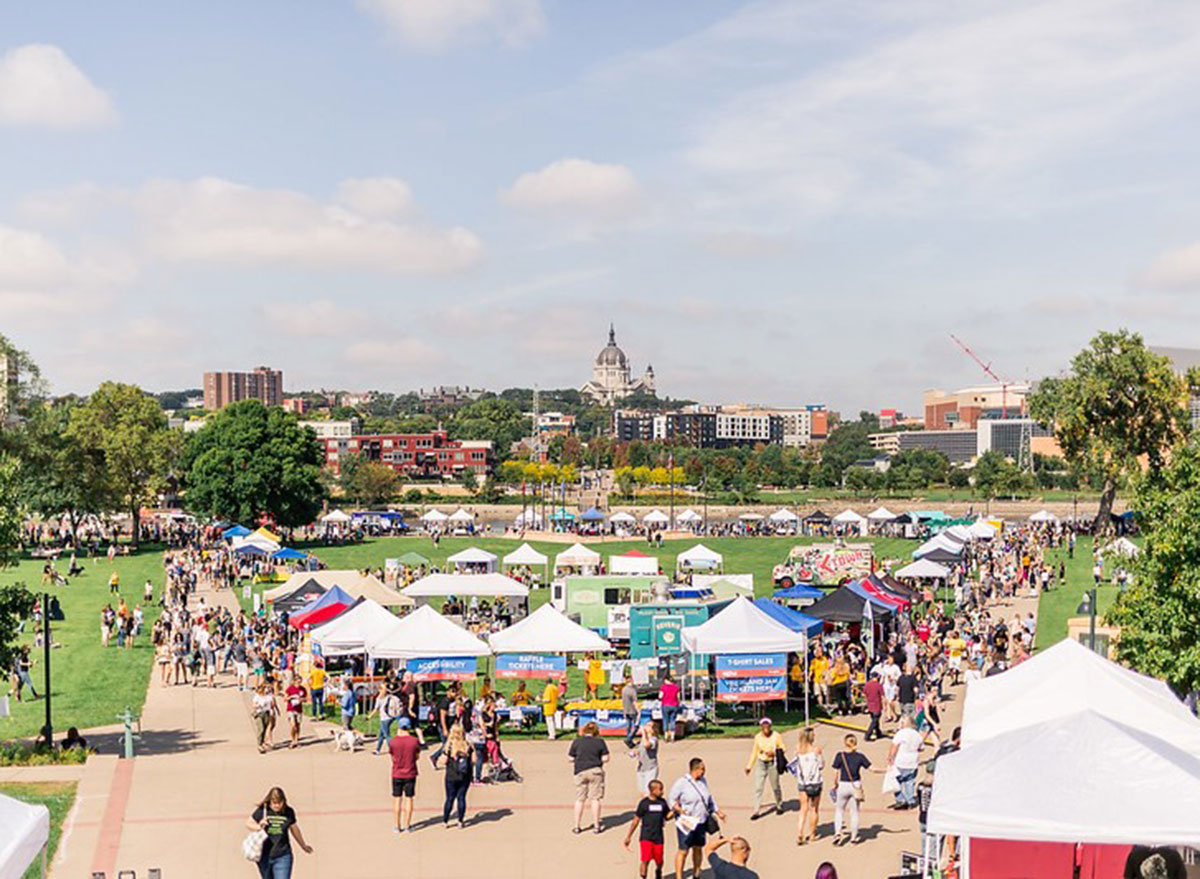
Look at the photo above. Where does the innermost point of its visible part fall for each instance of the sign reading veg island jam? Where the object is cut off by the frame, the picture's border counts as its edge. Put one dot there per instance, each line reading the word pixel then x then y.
pixel 825 564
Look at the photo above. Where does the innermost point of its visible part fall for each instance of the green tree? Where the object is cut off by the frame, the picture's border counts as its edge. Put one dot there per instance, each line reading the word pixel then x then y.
pixel 30 389
pixel 491 419
pixel 61 476
pixel 251 460
pixel 468 480
pixel 15 600
pixel 1159 613
pixel 370 483
pixel 1120 403
pixel 125 427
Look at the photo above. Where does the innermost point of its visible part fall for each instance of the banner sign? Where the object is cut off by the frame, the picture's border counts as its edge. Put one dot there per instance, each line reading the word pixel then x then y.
pixel 668 630
pixel 751 677
pixel 530 665
pixel 827 564
pixel 443 668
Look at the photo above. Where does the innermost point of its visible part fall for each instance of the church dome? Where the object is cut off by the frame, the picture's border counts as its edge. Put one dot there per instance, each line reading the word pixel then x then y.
pixel 610 354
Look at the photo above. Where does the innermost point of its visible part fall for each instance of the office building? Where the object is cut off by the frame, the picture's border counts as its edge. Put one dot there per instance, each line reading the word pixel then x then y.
pixel 343 429
pixel 261 383
pixel 962 409
pixel 959 446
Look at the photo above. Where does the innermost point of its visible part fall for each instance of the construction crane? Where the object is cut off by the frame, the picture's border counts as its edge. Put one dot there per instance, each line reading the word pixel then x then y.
pixel 1025 451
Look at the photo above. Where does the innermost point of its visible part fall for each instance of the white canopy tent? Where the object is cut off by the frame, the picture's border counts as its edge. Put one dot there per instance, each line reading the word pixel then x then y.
pixel 1078 778
pixel 577 556
pixel 1043 516
pixel 526 555
pixel 632 564
pixel 983 530
pixel 474 556
pixel 466 586
pixel 369 586
pixel 961 533
pixel 689 517
pixel 351 631
pixel 923 569
pixel 1067 678
pixel 700 556
pixel 336 517
pixel 942 541
pixel 547 630
pixel 849 517
pixel 622 518
pixel 425 633
pixel 461 515
pixel 783 516
pixel 1122 546
pixel 751 517
pixel 434 517
pixel 656 517
pixel 742 627
pixel 256 540
pixel 883 514
pixel 26 830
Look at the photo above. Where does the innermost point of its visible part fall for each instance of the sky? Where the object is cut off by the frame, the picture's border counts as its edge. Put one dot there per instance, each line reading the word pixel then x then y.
pixel 782 202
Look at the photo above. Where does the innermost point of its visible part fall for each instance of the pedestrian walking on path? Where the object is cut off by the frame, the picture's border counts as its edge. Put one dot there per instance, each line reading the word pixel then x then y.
pixel 693 805
pixel 456 760
pixel 646 754
pixel 588 754
pixel 765 752
pixel 651 814
pixel 295 695
pixel 405 748
pixel 810 763
pixel 277 819
pixel 389 707
pixel 847 788
pixel 265 709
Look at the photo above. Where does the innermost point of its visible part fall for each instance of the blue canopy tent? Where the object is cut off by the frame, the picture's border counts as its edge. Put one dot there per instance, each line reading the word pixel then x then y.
pixel 288 553
pixel 252 549
pixel 592 515
pixel 799 591
pixel 793 619
pixel 236 531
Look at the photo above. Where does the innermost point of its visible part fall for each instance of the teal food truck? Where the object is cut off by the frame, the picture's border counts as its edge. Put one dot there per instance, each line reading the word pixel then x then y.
pixel 654 628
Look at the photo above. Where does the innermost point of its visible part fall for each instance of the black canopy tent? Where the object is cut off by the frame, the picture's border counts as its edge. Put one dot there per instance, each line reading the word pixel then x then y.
pixel 943 556
pixel 817 516
pixel 843 605
pixel 298 597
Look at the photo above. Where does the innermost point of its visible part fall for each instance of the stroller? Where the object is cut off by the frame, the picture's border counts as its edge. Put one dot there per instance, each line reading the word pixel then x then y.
pixel 502 769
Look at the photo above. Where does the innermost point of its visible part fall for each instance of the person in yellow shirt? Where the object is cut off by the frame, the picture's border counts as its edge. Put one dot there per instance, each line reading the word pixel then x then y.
pixel 316 686
pixel 955 648
pixel 521 696
pixel 839 683
pixel 550 708
pixel 762 764
pixel 818 670
pixel 595 678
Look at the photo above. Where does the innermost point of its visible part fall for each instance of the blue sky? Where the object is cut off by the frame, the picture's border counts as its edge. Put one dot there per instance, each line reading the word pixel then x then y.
pixel 784 202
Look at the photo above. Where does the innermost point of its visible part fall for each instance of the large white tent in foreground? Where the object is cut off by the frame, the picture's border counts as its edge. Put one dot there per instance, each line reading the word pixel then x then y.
pixel 425 633
pixel 349 632
pixel 24 831
pixel 741 627
pixel 466 586
pixel 547 630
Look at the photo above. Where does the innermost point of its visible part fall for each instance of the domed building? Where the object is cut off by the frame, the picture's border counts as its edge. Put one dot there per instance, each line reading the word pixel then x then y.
pixel 611 375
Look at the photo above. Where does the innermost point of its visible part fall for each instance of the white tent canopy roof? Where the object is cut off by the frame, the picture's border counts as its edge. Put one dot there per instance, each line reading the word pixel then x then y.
pixel 1078 778
pixel 425 633
pixel 742 627
pixel 434 515
pixel 699 553
pixel 525 555
pixel 633 564
pixel 461 515
pixel 336 516
pixel 1043 516
pixel 751 517
pixel 530 516
pixel 547 630
pixel 26 830
pixel 623 517
pixel 883 514
pixel 350 632
pixel 656 517
pixel 961 533
pixel 847 517
pixel 1067 678
pixel 923 569
pixel 256 540
pixel 466 585
pixel 1122 546
pixel 577 555
pixel 983 530
pixel 688 515
pixel 783 515
pixel 942 541
pixel 472 555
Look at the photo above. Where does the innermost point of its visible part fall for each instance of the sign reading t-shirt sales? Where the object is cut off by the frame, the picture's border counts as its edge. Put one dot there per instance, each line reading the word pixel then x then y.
pixel 530 665
pixel 751 677
pixel 443 668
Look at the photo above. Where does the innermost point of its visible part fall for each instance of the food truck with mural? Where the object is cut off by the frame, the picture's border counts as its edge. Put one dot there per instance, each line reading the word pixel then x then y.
pixel 825 564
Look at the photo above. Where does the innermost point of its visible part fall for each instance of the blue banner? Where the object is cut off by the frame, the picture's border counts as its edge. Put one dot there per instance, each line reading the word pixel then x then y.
pixel 443 668
pixel 751 677
pixel 530 665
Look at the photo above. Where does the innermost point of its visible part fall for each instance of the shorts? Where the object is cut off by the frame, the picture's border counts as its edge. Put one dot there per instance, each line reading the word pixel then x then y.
pixel 589 784
pixel 242 669
pixel 404 787
pixel 651 851
pixel 695 839
pixel 956 663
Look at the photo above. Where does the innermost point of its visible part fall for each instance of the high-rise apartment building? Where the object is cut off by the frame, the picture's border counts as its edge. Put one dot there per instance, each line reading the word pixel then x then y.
pixel 262 383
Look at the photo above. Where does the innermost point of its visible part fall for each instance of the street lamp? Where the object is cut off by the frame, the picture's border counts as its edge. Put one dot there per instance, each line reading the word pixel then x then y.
pixel 1088 606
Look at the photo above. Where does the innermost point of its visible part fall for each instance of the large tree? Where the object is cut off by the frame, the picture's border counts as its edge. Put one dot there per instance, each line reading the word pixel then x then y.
pixel 125 427
pixel 1160 612
pixel 252 460
pixel 1119 405
pixel 15 600
pixel 371 483
pixel 61 476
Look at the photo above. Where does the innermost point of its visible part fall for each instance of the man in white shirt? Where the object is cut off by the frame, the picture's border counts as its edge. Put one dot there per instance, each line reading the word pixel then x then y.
pixel 904 756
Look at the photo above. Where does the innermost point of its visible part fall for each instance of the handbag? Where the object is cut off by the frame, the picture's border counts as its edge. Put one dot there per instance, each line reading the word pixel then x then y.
pixel 711 825
pixel 252 845
pixel 781 761
pixel 891 781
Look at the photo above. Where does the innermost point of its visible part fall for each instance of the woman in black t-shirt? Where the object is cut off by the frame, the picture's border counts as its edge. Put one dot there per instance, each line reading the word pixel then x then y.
pixel 847 766
pixel 278 820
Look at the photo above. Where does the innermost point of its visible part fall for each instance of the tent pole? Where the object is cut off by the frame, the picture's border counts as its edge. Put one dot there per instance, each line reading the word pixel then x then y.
pixel 806 723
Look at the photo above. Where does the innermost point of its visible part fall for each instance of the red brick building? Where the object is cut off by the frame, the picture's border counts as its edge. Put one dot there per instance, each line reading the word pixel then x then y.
pixel 223 388
pixel 424 455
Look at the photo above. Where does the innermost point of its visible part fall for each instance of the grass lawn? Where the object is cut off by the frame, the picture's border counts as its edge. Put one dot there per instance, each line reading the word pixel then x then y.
pixel 1059 604
pixel 57 796
pixel 91 684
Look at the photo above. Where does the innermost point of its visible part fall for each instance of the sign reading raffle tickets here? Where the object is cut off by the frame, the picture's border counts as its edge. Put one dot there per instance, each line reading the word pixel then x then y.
pixel 530 665
pixel 443 668
pixel 751 677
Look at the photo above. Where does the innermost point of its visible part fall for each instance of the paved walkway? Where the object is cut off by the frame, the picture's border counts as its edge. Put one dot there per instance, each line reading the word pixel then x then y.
pixel 180 806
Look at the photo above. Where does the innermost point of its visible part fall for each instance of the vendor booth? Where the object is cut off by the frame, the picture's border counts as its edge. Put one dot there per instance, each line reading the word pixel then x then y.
pixel 434 520
pixel 474 560
pixel 337 517
pixel 466 586
pixel 546 630
pixel 577 559
pixel 793 619
pixel 688 519
pixel 924 569
pixel 333 603
pixel 1044 517
pixel 427 635
pixel 816 523
pixel 700 558
pixel 525 556
pixel 623 519
pixel 844 605
pixel 633 562
pixel 656 519
pixel 349 633
pixel 849 522
pixel 25 834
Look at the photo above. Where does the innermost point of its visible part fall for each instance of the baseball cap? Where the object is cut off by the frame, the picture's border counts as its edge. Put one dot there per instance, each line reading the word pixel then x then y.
pixel 404 723
pixel 765 720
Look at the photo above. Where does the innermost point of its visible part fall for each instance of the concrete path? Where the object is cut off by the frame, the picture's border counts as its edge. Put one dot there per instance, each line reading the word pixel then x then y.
pixel 181 805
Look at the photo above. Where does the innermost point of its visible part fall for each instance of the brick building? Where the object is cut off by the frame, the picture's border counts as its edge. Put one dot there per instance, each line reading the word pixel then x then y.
pixel 261 383
pixel 420 455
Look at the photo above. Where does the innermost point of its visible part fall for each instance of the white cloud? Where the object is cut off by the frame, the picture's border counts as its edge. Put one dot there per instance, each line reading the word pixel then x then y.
pixel 321 317
pixel 381 355
pixel 40 86
pixel 376 196
pixel 576 186
pixel 436 24
pixel 1175 269
pixel 39 278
